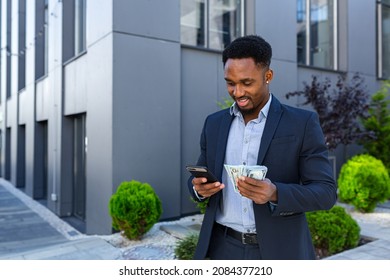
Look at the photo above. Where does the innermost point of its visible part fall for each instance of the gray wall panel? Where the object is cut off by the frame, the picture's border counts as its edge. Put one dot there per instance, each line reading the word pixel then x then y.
pixel 12 123
pixel 11 112
pixel 146 116
pixel 29 99
pixel 156 19
pixel 23 107
pixel 75 86
pixel 28 109
pixel 99 20
pixel 362 37
pixel 275 22
pixel 99 132
pixel 42 99
pixel 284 79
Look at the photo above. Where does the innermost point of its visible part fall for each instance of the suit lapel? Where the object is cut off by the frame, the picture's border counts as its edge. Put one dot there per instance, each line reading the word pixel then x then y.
pixel 222 142
pixel 273 118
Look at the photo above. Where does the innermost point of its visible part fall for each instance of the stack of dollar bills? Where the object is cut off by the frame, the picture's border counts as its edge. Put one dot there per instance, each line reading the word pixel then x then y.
pixel 253 171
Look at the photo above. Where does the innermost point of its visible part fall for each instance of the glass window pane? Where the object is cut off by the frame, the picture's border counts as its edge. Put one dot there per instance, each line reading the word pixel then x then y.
pixel 46 36
pixel 192 22
pixel 80 26
pixel 301 31
pixel 321 33
pixel 22 45
pixel 224 22
pixel 385 42
pixel 386 2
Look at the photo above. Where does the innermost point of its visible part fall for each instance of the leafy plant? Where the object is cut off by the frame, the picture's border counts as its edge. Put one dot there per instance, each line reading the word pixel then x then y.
pixel 202 205
pixel 340 107
pixel 134 208
pixel 333 230
pixel 185 248
pixel 378 121
pixel 364 181
pixel 225 103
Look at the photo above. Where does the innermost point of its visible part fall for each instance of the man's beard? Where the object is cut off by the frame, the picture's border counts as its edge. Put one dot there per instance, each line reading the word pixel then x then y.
pixel 249 111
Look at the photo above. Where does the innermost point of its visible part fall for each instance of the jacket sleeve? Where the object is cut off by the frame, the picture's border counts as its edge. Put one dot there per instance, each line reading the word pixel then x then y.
pixel 201 161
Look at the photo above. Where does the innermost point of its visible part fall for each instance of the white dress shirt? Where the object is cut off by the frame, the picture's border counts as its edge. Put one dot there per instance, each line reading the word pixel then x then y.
pixel 242 147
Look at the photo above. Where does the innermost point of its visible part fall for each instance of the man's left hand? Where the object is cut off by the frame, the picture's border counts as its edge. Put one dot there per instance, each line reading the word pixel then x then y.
pixel 260 191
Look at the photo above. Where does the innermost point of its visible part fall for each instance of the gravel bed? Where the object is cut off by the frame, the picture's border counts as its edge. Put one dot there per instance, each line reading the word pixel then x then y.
pixel 155 244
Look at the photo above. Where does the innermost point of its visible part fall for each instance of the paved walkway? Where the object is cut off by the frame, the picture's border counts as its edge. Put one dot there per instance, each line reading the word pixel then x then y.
pixel 28 230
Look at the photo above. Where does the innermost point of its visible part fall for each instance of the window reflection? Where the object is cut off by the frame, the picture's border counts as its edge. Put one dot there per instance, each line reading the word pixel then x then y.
pixel 193 22
pixel 301 31
pixel 80 26
pixel 321 33
pixel 386 40
pixel 225 19
pixel 316 33
pixel 210 23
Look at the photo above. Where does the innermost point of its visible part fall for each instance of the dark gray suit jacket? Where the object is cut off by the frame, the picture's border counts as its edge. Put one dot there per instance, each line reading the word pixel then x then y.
pixel 293 149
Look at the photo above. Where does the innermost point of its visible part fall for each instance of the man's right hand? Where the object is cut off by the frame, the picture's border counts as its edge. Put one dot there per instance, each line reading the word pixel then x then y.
pixel 205 189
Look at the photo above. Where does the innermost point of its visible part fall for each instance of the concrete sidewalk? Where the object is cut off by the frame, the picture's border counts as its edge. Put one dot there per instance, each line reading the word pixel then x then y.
pixel 29 230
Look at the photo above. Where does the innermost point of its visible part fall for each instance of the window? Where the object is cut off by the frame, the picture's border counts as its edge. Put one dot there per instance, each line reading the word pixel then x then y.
pixel 317 33
pixel 41 38
pixel 79 29
pixel 46 36
pixel 384 39
pixel 211 23
pixel 8 48
pixel 22 45
pixel 74 28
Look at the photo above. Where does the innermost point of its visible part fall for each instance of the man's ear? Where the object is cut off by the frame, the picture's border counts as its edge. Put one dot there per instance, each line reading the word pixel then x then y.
pixel 269 74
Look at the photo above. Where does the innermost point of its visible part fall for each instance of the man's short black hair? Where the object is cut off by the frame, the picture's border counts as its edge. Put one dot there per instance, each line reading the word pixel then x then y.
pixel 248 46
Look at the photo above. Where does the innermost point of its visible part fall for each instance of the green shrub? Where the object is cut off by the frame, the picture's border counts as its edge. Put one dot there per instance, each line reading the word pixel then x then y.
pixel 225 103
pixel 202 205
pixel 363 181
pixel 134 208
pixel 378 122
pixel 333 230
pixel 185 248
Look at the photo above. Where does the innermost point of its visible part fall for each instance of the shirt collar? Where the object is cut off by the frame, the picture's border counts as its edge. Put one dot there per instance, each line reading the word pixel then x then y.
pixel 262 114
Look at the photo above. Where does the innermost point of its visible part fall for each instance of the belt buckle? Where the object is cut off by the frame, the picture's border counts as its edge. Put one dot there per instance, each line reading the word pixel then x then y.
pixel 245 237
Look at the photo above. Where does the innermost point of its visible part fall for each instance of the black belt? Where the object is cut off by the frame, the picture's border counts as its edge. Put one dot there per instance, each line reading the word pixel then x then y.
pixel 244 238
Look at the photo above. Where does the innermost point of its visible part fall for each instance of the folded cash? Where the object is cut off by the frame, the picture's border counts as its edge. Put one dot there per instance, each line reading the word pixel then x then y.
pixel 257 172
pixel 234 172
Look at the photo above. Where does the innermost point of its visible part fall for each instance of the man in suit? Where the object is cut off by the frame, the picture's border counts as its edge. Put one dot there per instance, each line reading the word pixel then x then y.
pixel 266 219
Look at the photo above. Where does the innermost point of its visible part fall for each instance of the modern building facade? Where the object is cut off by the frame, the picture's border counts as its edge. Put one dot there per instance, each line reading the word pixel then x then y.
pixel 98 92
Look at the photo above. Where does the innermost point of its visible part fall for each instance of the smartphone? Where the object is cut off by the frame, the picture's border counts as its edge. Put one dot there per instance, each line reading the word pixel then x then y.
pixel 201 171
